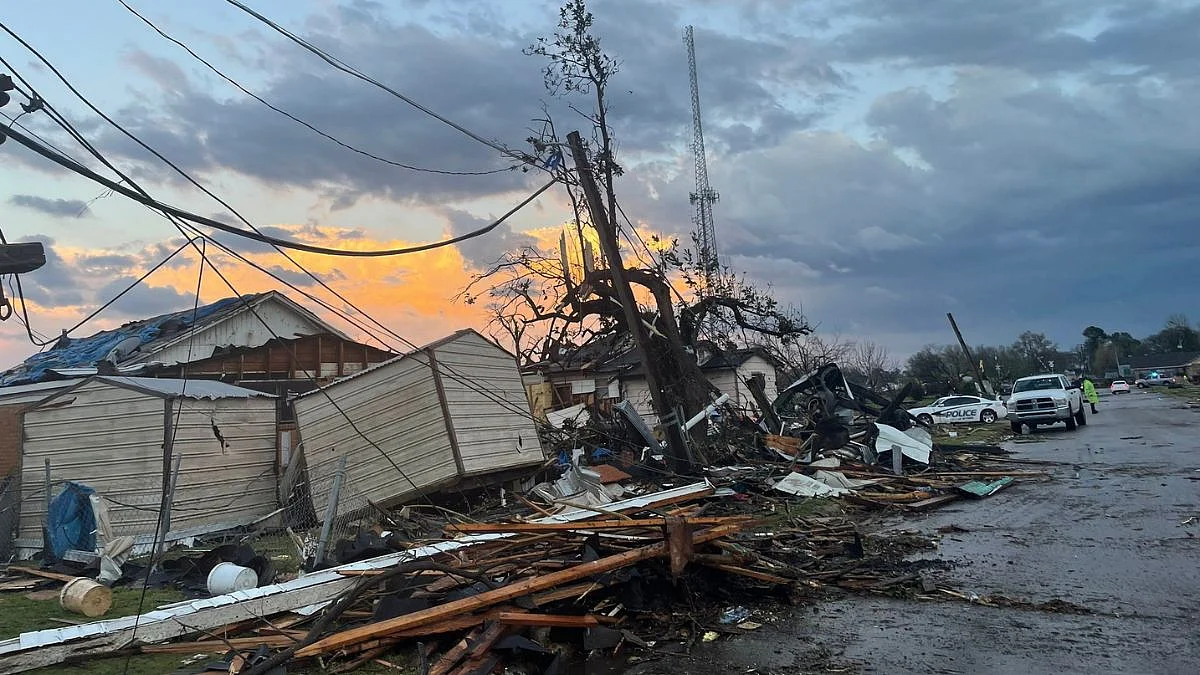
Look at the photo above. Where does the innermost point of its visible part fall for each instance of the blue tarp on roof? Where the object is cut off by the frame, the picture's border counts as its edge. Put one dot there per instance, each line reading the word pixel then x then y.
pixel 129 340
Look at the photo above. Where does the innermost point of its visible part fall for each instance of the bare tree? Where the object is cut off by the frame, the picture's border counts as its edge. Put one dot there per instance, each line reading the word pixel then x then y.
pixel 546 304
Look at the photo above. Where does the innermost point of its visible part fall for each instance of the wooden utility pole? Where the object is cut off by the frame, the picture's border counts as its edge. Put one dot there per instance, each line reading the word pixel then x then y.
pixel 607 234
pixel 970 359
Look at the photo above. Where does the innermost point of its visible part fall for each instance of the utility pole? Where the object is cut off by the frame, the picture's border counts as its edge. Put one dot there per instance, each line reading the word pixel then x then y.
pixel 607 234
pixel 970 359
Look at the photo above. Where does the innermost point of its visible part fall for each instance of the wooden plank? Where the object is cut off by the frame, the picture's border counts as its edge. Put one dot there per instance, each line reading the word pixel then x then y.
pixel 932 502
pixel 503 594
pixel 609 524
pixel 454 655
pixel 551 620
pixel 751 574
pixel 220 646
pixel 679 544
pixel 574 591
pixel 42 573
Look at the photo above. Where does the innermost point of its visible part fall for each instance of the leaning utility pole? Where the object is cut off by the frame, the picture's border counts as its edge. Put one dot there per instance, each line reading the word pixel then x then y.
pixel 607 234
pixel 980 382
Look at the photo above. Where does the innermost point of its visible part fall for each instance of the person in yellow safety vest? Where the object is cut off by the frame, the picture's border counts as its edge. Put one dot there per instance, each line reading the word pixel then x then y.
pixel 1089 392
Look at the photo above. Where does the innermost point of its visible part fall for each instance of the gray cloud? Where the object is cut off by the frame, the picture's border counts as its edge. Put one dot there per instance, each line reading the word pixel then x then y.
pixel 72 208
pixel 143 301
pixel 878 163
pixel 55 283
pixel 482 251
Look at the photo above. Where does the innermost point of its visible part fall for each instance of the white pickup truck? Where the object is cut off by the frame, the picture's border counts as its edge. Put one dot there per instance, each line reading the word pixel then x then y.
pixel 1045 399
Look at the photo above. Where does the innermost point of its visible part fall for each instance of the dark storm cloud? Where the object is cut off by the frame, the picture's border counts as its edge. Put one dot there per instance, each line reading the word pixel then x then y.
pixel 479 79
pixel 485 250
pixel 143 300
pixel 1040 37
pixel 54 284
pixel 72 208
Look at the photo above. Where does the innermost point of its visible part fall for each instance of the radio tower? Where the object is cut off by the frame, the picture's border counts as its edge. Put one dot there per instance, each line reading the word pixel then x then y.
pixel 704 197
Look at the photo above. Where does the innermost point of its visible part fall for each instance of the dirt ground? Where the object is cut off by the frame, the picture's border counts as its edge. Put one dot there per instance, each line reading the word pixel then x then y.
pixel 1109 532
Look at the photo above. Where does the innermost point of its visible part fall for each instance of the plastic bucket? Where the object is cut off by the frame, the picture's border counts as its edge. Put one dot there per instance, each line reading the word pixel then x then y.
pixel 227 577
pixel 84 596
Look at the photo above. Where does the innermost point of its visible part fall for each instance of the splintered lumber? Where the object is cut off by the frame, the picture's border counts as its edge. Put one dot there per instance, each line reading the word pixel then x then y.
pixel 454 654
pixel 54 645
pixel 551 620
pixel 503 594
pixel 611 524
pixel 42 573
pixel 213 646
pixel 748 573
pixel 679 544
pixel 565 593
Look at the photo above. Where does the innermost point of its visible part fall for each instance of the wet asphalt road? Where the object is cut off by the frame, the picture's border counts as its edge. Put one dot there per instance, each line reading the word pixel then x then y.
pixel 1105 532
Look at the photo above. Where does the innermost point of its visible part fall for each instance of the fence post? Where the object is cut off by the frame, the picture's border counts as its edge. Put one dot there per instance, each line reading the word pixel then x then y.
pixel 331 510
pixel 165 524
pixel 897 461
pixel 46 521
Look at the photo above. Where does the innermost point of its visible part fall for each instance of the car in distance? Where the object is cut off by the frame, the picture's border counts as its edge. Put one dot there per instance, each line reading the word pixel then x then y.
pixel 1118 387
pixel 954 409
pixel 1152 380
pixel 1045 399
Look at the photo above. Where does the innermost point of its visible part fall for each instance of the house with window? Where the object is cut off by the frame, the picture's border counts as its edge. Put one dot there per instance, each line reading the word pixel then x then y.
pixel 1169 364
pixel 605 372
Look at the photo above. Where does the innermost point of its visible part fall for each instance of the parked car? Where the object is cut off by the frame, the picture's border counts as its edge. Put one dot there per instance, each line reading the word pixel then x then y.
pixel 953 409
pixel 1152 380
pixel 1118 387
pixel 1045 399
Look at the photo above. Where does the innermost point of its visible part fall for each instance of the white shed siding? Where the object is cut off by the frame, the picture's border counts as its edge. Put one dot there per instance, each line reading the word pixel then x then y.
pixel 636 391
pixel 489 410
pixel 396 408
pixel 230 482
pixel 111 439
pixel 734 382
pixel 242 329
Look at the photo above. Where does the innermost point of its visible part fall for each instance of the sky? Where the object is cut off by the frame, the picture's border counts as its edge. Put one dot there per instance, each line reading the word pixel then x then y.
pixel 1024 164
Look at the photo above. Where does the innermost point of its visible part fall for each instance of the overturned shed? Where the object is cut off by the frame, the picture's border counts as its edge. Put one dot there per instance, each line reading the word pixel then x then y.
pixel 113 434
pixel 451 410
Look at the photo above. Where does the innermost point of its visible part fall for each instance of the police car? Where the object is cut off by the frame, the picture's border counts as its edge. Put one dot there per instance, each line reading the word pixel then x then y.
pixel 951 409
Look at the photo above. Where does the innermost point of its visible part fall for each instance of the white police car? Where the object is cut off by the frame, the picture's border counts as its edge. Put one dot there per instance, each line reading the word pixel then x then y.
pixel 952 409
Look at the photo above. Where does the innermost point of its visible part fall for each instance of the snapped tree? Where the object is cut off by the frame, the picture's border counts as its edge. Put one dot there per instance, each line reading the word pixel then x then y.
pixel 549 304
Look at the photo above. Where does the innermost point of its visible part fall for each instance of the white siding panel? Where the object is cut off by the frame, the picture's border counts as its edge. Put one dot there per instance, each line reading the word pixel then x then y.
pixel 105 437
pixel 233 481
pixel 636 391
pixel 488 406
pixel 396 408
pixel 110 439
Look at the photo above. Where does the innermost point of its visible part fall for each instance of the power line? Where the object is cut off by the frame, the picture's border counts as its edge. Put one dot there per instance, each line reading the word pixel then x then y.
pixel 67 126
pixel 148 201
pixel 266 239
pixel 83 141
pixel 354 72
pixel 296 119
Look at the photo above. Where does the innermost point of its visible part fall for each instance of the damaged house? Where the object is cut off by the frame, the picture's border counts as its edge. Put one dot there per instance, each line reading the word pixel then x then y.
pixel 602 374
pixel 429 419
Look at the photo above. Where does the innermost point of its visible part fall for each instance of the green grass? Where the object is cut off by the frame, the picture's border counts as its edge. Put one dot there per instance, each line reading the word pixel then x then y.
pixel 20 614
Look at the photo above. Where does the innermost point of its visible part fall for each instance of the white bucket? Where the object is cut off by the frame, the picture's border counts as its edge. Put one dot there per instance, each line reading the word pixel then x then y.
pixel 227 577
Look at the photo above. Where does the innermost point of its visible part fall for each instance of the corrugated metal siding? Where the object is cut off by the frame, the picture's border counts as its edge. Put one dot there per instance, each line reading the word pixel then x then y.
pixel 396 407
pixel 488 406
pixel 110 439
pixel 242 329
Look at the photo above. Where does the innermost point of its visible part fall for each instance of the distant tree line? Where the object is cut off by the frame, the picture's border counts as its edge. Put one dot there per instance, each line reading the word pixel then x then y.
pixel 941 369
pixel 1103 350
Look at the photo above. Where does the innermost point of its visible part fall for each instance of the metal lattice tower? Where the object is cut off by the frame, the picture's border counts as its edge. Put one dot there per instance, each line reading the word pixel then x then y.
pixel 705 196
